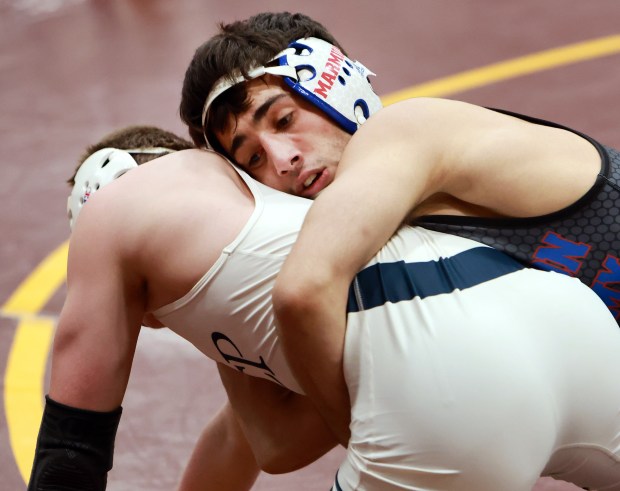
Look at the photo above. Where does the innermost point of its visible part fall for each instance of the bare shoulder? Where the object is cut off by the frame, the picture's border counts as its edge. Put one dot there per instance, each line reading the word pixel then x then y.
pixel 428 109
pixel 501 162
pixel 428 128
pixel 433 122
pixel 457 128
pixel 100 228
pixel 164 190
pixel 166 221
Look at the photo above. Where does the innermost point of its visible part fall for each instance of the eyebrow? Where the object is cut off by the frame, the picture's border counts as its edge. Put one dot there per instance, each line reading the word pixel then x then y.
pixel 258 115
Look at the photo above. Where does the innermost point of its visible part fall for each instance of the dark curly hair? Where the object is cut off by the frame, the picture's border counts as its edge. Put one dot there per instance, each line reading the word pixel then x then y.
pixel 241 45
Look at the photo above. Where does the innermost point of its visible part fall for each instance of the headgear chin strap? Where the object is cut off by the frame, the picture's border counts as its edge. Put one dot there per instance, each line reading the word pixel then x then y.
pixel 321 74
pixel 100 169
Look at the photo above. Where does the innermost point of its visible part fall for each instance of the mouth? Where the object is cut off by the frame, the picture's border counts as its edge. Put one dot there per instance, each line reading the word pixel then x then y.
pixel 310 181
pixel 313 184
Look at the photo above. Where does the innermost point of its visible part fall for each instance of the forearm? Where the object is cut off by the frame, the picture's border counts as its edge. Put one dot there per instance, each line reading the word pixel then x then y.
pixel 81 413
pixel 222 457
pixel 311 328
pixel 311 291
pixel 91 362
pixel 348 223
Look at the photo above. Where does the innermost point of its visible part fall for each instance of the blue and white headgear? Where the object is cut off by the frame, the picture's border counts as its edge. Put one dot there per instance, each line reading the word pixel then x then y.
pixel 321 74
pixel 100 169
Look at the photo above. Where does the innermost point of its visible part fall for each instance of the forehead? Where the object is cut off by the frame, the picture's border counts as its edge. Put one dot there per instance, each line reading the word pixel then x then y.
pixel 260 92
pixel 261 89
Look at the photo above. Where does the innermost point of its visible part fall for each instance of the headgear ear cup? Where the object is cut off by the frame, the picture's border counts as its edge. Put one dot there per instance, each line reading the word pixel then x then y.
pixel 328 79
pixel 98 170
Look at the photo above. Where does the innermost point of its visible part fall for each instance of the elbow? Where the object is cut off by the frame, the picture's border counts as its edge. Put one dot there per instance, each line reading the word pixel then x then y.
pixel 288 459
pixel 291 305
pixel 300 306
pixel 288 297
pixel 295 296
pixel 290 454
pixel 277 459
pixel 275 465
pixel 66 339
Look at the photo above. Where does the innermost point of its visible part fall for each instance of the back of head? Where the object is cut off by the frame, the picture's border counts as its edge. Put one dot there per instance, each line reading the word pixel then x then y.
pixel 241 46
pixel 114 155
pixel 135 139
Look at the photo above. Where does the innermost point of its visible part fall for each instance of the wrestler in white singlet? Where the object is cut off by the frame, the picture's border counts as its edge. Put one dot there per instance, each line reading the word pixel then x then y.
pixel 466 371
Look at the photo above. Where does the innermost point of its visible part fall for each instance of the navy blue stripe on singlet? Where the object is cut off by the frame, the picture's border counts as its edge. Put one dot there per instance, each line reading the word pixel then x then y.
pixel 336 484
pixel 399 281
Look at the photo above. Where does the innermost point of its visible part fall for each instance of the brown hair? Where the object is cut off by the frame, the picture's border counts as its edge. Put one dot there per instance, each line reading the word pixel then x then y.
pixel 136 137
pixel 241 45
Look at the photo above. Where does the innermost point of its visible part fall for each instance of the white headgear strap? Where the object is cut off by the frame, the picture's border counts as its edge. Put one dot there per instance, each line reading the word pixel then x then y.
pixel 100 169
pixel 227 81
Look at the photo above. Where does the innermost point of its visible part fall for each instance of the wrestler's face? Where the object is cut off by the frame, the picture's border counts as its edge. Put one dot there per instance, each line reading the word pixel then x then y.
pixel 284 141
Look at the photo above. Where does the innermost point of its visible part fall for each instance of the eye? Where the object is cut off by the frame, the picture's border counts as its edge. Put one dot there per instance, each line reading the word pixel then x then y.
pixel 284 121
pixel 254 160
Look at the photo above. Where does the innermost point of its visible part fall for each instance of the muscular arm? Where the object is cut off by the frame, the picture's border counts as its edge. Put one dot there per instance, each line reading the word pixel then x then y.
pixel 100 320
pixel 406 156
pixel 91 361
pixel 346 225
pixel 284 433
pixel 283 428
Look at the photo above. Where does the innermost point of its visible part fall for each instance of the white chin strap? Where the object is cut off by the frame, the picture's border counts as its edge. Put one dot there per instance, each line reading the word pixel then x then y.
pixel 227 81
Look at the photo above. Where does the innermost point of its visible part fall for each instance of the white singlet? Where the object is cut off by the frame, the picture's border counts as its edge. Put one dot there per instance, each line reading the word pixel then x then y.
pixel 228 314
pixel 466 370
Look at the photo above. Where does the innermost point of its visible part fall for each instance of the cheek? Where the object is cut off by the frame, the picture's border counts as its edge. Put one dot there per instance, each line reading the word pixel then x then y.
pixel 335 143
pixel 271 180
pixel 328 133
pixel 321 136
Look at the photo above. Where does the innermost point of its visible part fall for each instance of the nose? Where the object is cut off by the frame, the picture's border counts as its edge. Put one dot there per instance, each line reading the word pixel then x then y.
pixel 282 152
